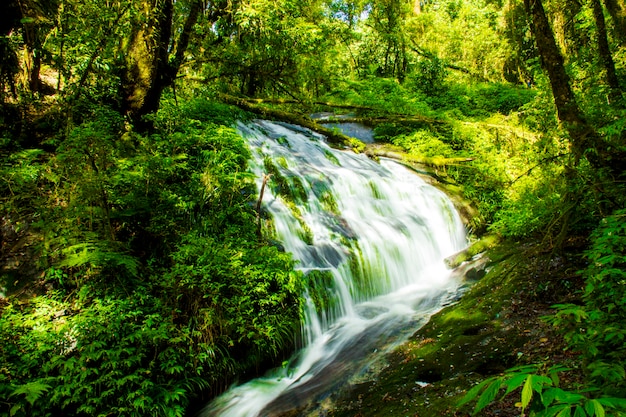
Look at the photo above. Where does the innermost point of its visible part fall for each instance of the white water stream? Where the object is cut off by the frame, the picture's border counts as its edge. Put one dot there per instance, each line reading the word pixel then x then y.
pixel 379 231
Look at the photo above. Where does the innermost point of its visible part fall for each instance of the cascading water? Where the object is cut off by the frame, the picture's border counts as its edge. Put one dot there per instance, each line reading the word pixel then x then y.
pixel 371 238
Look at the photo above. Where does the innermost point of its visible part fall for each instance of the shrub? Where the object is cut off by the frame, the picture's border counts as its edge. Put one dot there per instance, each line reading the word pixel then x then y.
pixel 428 76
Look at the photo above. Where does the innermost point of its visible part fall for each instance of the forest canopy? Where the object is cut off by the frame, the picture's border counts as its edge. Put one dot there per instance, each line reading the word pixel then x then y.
pixel 135 279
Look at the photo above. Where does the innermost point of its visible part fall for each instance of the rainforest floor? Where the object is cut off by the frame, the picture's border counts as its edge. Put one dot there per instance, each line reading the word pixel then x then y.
pixel 497 324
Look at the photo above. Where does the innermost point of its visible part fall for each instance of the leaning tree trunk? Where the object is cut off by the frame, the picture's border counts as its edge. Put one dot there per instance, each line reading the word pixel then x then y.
pixel 615 92
pixel 617 12
pixel 582 136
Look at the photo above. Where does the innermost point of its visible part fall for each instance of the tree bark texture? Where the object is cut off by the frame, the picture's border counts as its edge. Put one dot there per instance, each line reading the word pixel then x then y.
pixel 149 69
pixel 146 58
pixel 552 61
pixel 615 93
pixel 568 38
pixel 584 139
pixel 617 11
pixel 32 46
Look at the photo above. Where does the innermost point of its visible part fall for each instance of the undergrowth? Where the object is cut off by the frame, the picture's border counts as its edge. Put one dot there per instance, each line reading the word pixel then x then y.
pixel 149 289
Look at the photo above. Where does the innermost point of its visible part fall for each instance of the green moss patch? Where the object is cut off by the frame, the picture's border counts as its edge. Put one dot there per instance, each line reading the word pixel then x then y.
pixel 494 326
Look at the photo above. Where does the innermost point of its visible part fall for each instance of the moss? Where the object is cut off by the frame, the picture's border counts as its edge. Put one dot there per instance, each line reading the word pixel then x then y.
pixel 356 145
pixel 481 245
pixel 282 161
pixel 327 199
pixel 481 335
pixel 284 141
pixel 291 189
pixel 375 191
pixel 305 233
pixel 321 290
pixel 332 158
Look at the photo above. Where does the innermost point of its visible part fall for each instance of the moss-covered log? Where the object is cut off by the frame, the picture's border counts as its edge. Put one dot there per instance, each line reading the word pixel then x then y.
pixel 432 162
pixel 317 103
pixel 373 121
pixel 334 137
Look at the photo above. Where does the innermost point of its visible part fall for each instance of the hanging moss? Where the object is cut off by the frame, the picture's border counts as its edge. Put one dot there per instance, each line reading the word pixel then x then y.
pixel 367 277
pixel 332 158
pixel 283 141
pixel 298 190
pixel 290 188
pixel 375 191
pixel 321 287
pixel 305 234
pixel 325 196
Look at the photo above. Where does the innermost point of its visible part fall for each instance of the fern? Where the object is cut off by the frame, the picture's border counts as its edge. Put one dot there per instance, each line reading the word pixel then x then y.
pixel 99 254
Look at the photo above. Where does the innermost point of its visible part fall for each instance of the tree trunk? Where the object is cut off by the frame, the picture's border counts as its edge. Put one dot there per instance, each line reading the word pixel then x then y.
pixel 618 15
pixel 148 67
pixel 615 93
pixel 146 58
pixel 565 32
pixel 32 52
pixel 582 136
pixel 174 65
pixel 417 6
pixel 584 139
pixel 333 136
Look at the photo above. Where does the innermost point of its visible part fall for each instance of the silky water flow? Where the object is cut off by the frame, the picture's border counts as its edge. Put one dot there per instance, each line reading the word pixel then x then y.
pixel 380 235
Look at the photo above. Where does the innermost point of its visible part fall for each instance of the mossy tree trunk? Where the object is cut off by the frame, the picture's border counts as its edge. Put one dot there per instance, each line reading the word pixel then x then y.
pixel 617 11
pixel 149 67
pixel 566 34
pixel 146 58
pixel 585 141
pixel 606 59
pixel 582 135
pixel 32 14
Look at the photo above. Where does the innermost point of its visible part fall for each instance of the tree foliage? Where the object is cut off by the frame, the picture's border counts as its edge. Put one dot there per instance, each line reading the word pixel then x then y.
pixel 158 291
pixel 125 187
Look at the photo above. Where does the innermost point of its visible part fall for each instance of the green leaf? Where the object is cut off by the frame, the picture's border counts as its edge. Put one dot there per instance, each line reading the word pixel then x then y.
pixel 488 395
pixel 32 391
pixel 593 407
pixel 561 410
pixel 473 392
pixel 527 391
pixel 553 373
pixel 565 412
pixel 514 383
pixel 15 409
pixel 548 396
pixel 613 402
pixel 579 412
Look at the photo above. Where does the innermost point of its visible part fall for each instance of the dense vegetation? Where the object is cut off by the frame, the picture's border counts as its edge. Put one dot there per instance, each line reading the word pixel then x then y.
pixel 134 280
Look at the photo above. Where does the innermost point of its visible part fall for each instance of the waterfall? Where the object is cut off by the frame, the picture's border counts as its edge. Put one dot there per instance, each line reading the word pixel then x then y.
pixel 370 237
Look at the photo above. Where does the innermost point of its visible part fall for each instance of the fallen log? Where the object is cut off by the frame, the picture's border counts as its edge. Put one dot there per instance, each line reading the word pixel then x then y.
pixel 334 137
pixel 318 103
pixel 433 162
pixel 372 121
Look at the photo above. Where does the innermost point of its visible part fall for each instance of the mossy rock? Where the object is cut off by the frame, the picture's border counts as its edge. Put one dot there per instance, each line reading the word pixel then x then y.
pixel 491 328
